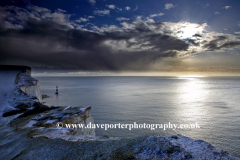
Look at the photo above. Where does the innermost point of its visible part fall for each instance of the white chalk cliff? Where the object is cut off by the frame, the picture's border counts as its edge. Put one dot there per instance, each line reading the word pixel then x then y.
pixel 28 84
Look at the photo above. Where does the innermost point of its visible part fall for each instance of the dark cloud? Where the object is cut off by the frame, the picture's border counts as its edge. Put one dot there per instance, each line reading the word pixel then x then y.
pixel 220 42
pixel 40 41
pixel 230 44
pixel 193 42
pixel 197 35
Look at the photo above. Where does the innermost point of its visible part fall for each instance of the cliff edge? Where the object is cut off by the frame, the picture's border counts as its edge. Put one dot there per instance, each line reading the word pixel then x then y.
pixel 18 91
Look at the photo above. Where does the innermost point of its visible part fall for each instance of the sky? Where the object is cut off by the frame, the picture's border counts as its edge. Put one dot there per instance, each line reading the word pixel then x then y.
pixel 169 36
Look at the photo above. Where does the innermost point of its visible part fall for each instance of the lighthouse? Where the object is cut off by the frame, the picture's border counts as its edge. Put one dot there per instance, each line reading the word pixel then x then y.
pixel 56 90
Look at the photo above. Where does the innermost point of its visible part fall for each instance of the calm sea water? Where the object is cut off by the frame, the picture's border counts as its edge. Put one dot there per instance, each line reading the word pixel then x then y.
pixel 214 103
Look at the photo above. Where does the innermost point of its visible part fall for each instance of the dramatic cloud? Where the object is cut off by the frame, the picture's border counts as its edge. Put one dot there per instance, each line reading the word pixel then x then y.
pixel 169 5
pixel 102 12
pixel 220 42
pixel 88 50
pixel 38 36
pixel 13 17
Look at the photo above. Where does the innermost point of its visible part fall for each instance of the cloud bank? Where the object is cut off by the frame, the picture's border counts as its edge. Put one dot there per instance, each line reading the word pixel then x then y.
pixel 38 36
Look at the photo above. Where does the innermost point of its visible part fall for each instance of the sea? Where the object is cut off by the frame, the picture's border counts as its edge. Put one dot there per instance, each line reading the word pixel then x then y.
pixel 210 105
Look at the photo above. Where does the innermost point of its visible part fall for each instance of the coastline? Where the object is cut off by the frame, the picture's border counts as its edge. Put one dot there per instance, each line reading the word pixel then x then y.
pixel 25 92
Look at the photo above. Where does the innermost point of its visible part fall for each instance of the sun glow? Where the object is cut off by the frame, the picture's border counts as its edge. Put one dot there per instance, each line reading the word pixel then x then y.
pixel 189 29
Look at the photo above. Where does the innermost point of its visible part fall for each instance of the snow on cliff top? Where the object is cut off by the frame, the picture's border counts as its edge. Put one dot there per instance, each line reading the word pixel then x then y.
pixel 10 92
pixel 7 85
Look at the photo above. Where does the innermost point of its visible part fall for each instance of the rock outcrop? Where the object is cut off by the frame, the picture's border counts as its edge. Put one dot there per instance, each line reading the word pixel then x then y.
pixel 52 124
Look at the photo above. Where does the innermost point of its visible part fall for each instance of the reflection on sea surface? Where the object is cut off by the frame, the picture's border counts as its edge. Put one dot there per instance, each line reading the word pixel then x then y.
pixel 191 93
pixel 213 102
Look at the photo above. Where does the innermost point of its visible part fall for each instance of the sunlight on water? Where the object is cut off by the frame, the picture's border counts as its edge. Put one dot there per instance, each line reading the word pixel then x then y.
pixel 211 102
pixel 191 93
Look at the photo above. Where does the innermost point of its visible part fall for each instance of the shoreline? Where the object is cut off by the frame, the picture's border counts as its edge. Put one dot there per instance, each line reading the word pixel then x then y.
pixel 153 147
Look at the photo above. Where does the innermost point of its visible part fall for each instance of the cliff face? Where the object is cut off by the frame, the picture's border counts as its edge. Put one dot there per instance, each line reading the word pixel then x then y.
pixel 32 90
pixel 22 98
pixel 18 91
pixel 28 84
